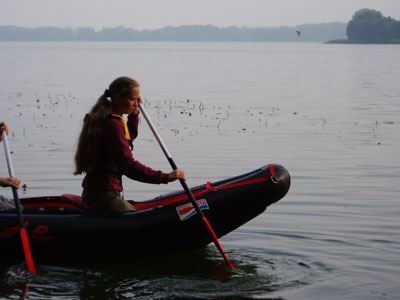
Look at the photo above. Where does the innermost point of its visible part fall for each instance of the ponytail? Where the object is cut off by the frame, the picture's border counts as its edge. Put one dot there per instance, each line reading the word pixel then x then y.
pixel 86 154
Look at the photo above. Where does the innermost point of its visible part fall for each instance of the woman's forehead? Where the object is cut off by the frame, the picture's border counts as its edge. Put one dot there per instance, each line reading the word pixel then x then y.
pixel 135 91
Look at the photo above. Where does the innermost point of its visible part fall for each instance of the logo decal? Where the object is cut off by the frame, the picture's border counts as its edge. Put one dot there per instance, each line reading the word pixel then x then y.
pixel 39 233
pixel 187 210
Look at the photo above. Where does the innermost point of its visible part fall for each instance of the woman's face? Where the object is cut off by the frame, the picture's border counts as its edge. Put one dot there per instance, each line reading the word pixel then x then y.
pixel 128 103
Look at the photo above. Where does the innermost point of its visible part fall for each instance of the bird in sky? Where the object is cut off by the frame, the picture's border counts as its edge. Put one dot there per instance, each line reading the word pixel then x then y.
pixel 298 32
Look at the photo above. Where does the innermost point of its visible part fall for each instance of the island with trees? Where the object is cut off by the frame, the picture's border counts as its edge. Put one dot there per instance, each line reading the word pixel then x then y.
pixel 369 26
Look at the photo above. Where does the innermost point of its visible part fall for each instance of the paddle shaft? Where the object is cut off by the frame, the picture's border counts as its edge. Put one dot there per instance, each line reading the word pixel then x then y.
pixel 185 187
pixel 24 236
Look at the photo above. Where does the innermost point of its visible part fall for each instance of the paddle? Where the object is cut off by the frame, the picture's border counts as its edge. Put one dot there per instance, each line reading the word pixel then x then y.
pixel 24 237
pixel 186 188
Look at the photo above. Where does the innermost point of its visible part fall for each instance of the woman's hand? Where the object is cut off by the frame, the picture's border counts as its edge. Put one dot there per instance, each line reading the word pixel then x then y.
pixel 176 174
pixel 3 127
pixel 10 181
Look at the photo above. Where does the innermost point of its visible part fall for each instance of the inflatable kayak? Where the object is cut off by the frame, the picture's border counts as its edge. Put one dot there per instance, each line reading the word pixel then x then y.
pixel 63 225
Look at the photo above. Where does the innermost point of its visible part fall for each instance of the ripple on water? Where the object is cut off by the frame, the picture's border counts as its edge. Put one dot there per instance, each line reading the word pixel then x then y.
pixel 193 275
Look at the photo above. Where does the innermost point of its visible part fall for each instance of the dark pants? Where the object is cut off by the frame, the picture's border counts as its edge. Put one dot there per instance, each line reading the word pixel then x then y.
pixel 106 202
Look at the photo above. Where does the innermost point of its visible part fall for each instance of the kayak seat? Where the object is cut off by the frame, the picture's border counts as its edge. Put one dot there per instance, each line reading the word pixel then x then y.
pixel 59 202
pixel 74 200
pixel 143 205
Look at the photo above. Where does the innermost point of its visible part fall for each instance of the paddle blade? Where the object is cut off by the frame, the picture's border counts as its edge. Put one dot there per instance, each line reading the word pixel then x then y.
pixel 27 251
pixel 216 242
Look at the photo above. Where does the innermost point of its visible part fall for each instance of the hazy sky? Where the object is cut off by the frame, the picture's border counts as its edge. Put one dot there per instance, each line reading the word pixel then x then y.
pixel 141 14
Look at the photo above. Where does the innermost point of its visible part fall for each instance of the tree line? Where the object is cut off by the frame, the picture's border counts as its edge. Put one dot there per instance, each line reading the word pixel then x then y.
pixel 186 33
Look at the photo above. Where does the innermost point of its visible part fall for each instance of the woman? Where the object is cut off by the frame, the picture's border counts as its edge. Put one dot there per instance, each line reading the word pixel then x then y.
pixel 104 152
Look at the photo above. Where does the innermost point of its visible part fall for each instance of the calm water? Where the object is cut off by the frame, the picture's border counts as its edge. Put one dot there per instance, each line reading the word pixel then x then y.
pixel 329 113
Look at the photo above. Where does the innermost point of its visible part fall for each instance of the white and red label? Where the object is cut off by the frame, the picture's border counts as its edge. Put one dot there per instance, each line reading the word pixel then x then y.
pixel 187 210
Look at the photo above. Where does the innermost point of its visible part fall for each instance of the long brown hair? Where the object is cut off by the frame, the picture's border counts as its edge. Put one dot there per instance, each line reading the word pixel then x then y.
pixel 89 138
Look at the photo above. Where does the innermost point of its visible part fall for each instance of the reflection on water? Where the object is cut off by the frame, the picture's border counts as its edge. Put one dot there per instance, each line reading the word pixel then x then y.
pixel 195 275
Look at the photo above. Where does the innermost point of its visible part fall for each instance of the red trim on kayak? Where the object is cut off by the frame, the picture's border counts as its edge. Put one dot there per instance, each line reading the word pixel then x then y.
pixel 197 194
pixel 272 170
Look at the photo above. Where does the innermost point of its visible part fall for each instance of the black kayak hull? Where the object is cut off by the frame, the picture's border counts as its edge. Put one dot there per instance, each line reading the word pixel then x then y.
pixel 167 223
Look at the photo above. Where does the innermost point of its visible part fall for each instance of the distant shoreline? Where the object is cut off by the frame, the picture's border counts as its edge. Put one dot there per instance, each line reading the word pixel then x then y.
pixel 185 33
pixel 353 42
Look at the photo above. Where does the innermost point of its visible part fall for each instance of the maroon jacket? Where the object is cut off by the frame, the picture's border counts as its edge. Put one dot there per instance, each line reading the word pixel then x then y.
pixel 115 159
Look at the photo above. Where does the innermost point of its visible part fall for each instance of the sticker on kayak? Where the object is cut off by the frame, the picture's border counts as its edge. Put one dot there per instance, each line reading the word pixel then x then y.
pixel 187 210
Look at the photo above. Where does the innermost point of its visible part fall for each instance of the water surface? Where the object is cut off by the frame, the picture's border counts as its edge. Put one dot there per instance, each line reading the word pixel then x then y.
pixel 328 113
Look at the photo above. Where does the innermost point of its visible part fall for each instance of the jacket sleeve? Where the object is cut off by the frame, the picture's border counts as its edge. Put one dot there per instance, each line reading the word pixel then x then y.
pixel 121 155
